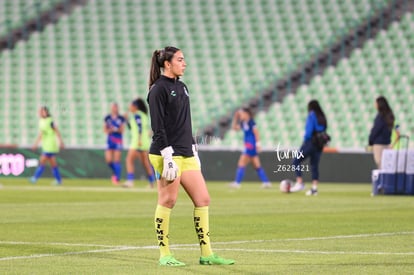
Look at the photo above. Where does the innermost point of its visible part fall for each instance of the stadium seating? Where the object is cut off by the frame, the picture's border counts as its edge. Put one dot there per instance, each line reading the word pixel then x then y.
pixel 100 53
pixel 384 66
pixel 13 14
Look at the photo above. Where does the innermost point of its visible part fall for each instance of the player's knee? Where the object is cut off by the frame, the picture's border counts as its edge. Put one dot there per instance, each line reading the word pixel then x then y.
pixel 168 200
pixel 204 201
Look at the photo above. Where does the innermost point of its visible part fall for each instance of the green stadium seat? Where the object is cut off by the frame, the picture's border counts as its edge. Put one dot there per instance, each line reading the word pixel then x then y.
pixel 378 68
pixel 101 53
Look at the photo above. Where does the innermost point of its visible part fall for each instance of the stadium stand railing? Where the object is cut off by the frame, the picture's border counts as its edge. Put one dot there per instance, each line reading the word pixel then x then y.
pixel 18 19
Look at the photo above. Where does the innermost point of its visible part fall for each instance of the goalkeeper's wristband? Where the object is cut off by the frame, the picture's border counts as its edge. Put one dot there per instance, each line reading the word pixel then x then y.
pixel 167 152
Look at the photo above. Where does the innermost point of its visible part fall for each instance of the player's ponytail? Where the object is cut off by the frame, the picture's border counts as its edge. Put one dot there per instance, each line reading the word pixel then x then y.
pixel 140 105
pixel 157 62
pixel 155 71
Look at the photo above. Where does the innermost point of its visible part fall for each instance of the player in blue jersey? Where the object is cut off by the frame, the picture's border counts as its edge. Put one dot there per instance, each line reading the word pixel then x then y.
pixel 114 127
pixel 243 119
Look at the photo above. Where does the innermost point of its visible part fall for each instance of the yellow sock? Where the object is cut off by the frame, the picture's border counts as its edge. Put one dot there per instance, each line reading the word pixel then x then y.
pixel 162 224
pixel 201 225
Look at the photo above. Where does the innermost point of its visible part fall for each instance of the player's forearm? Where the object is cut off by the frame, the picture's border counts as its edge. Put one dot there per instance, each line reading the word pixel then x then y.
pixel 160 139
pixel 235 122
pixel 234 126
pixel 59 136
pixel 257 139
pixel 157 115
pixel 39 137
pixel 139 138
pixel 121 129
pixel 60 139
pixel 157 125
pixel 256 134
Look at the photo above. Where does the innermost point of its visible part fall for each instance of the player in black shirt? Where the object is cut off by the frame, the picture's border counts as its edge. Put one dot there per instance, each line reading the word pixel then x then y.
pixel 170 117
pixel 174 156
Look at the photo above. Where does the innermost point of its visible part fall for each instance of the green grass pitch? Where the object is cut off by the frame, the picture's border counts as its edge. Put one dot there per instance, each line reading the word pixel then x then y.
pixel 92 227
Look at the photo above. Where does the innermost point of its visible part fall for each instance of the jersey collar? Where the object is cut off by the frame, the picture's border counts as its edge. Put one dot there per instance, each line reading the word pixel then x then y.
pixel 170 79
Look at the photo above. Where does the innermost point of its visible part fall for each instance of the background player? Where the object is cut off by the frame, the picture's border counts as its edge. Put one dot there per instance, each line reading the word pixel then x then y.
pixel 114 127
pixel 174 156
pixel 395 136
pixel 49 136
pixel 315 122
pixel 381 131
pixel 140 142
pixel 243 119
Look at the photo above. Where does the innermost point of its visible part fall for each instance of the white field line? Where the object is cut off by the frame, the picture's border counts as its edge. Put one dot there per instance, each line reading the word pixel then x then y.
pixel 323 238
pixel 108 248
pixel 76 253
pixel 306 251
pixel 59 244
pixel 80 188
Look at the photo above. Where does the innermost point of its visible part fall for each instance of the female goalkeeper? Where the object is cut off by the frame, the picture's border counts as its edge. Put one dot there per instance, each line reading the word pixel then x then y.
pixel 173 154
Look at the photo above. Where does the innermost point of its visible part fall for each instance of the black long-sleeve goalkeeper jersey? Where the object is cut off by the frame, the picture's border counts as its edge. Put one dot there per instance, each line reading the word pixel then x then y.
pixel 169 105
